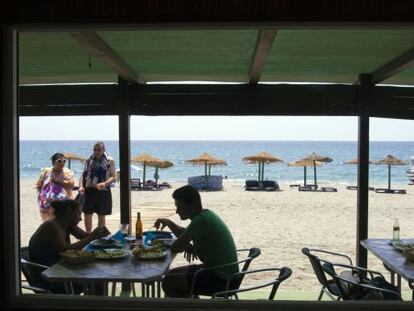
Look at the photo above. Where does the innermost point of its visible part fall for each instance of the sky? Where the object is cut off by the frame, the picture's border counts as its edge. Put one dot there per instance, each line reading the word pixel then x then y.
pixel 214 128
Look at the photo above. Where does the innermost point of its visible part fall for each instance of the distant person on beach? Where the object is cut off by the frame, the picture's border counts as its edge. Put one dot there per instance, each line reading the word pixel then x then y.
pixel 95 183
pixel 53 237
pixel 206 238
pixel 54 183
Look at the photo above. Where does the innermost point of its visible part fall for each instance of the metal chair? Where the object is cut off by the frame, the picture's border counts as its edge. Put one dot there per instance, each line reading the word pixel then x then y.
pixel 284 274
pixel 234 280
pixel 29 268
pixel 360 285
pixel 329 286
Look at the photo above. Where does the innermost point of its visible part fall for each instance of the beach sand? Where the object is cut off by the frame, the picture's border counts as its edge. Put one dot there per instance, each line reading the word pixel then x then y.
pixel 279 223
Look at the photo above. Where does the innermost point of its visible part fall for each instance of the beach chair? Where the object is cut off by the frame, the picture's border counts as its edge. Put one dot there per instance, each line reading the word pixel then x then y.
pixel 386 190
pixel 282 275
pixel 356 283
pixel 252 185
pixel 136 184
pixel 308 188
pixel 329 284
pixel 328 189
pixel 356 188
pixel 235 280
pixel 270 185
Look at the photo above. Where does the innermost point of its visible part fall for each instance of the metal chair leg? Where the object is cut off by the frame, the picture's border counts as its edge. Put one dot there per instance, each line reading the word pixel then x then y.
pixel 321 293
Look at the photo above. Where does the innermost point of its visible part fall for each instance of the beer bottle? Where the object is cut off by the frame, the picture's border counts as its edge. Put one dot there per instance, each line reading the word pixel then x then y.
pixel 396 230
pixel 138 227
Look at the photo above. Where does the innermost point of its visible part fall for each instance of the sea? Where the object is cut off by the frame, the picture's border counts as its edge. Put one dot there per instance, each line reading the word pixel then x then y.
pixel 35 155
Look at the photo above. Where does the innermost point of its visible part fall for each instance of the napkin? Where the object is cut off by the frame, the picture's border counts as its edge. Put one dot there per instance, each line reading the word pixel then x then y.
pixel 119 236
pixel 148 237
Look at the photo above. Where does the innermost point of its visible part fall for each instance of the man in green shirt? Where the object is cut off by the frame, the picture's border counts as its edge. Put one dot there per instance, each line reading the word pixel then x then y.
pixel 207 238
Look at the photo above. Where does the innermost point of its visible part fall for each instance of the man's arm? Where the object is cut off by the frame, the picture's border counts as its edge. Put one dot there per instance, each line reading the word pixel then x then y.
pixel 182 243
pixel 161 223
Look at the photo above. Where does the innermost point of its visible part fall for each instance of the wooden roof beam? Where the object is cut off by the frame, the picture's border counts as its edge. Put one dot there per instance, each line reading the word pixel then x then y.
pixel 99 48
pixel 393 67
pixel 263 47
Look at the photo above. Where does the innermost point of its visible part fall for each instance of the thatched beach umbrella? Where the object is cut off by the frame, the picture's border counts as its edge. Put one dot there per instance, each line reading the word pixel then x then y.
pixel 390 160
pixel 144 159
pixel 159 164
pixel 355 161
pixel 316 158
pixel 207 160
pixel 73 157
pixel 304 164
pixel 261 158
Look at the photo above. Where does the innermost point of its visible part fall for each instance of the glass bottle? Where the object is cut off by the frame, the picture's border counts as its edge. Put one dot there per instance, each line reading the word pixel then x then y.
pixel 396 230
pixel 138 227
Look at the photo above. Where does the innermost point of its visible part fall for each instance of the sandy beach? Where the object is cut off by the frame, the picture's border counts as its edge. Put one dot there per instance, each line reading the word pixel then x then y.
pixel 279 223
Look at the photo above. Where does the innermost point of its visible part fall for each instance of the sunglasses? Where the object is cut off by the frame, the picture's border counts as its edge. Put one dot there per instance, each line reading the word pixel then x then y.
pixel 97 149
pixel 61 161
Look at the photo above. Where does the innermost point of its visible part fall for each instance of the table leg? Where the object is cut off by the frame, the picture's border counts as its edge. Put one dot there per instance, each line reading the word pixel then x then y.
pixel 399 283
pixel 411 285
pixel 142 289
pixel 153 289
pixel 113 293
pixel 159 289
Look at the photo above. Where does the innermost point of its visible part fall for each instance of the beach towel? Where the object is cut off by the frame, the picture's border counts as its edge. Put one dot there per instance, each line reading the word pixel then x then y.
pixel 96 171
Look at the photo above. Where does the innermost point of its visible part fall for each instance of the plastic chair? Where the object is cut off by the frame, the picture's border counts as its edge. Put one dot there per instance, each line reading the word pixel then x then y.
pixel 234 280
pixel 29 269
pixel 329 286
pixel 357 285
pixel 284 274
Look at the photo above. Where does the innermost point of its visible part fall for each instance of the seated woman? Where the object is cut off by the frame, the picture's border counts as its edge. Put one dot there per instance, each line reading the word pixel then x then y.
pixel 53 238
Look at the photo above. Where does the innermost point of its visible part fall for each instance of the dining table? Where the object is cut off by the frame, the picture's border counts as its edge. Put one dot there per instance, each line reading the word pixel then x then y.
pixel 393 260
pixel 126 270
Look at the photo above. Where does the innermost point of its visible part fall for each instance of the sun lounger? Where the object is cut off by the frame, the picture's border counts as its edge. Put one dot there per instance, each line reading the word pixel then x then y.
pixel 328 189
pixel 136 184
pixel 294 185
pixel 308 188
pixel 252 185
pixel 356 188
pixel 386 190
pixel 270 185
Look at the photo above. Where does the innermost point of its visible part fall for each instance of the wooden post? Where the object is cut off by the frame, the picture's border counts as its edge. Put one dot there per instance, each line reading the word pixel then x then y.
pixel 125 154
pixel 363 169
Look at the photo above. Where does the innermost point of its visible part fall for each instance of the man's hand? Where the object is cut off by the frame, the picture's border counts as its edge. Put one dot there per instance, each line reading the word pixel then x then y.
pixel 81 190
pixel 100 232
pixel 190 253
pixel 161 223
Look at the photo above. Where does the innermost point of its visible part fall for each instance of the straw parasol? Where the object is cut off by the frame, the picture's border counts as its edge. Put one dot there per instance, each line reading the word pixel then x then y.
pixel 390 160
pixel 355 161
pixel 72 156
pixel 304 164
pixel 145 159
pixel 316 158
pixel 159 164
pixel 207 160
pixel 261 158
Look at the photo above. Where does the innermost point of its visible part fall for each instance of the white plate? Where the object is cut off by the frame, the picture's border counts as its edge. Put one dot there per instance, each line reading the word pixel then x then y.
pixel 105 243
pixel 111 253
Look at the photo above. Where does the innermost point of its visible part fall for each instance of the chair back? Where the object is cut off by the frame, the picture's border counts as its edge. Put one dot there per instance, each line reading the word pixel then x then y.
pixel 253 253
pixel 31 271
pixel 284 274
pixel 317 267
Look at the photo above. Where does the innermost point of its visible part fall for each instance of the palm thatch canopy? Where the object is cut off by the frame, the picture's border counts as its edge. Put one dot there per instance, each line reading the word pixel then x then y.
pixel 391 160
pixel 304 163
pixel 316 157
pixel 160 164
pixel 205 157
pixel 354 161
pixel 263 157
pixel 145 158
pixel 73 157
pixel 207 160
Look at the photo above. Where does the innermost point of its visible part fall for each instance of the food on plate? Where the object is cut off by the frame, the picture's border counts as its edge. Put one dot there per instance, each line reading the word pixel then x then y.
pixel 144 252
pixel 165 242
pixel 72 256
pixel 409 254
pixel 105 241
pixel 110 253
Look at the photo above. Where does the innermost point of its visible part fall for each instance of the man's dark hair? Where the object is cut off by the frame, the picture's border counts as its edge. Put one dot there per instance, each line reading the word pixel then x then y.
pixel 61 208
pixel 188 195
